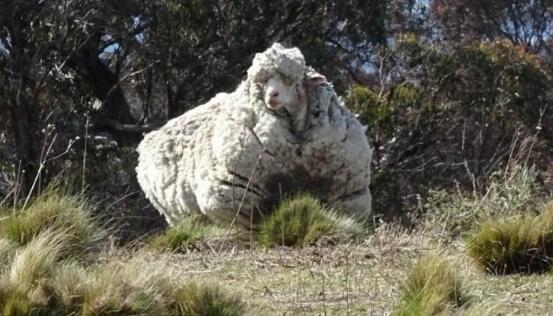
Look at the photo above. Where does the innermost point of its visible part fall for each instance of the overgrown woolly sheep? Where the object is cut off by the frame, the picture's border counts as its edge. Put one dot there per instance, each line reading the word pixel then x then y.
pixel 283 130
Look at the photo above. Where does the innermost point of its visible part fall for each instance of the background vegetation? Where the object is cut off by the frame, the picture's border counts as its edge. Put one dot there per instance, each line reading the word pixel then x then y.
pixel 456 95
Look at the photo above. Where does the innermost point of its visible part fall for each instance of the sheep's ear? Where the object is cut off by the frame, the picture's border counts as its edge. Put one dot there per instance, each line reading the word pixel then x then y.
pixel 316 79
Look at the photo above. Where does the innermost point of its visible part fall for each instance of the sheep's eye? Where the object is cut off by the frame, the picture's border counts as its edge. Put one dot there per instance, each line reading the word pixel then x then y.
pixel 287 81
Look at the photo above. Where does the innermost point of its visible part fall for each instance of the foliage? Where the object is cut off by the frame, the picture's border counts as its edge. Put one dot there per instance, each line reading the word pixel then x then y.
pixel 432 288
pixel 521 22
pixel 303 220
pixel 448 118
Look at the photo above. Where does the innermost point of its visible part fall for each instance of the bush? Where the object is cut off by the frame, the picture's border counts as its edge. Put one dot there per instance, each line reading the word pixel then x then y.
pixel 431 288
pixel 194 300
pixel 302 221
pixel 445 118
pixel 53 210
pixel 187 235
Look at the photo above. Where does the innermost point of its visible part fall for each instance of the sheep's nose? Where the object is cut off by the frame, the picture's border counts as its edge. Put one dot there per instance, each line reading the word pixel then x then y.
pixel 274 94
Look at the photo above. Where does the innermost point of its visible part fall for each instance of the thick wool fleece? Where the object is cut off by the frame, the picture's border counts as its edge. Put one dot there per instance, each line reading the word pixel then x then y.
pixel 233 160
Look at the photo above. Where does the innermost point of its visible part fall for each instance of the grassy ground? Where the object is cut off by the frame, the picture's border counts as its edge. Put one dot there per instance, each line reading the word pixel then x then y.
pixel 55 259
pixel 361 279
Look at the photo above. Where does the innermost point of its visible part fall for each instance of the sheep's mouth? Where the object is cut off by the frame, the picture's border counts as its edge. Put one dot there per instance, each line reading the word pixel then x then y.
pixel 273 105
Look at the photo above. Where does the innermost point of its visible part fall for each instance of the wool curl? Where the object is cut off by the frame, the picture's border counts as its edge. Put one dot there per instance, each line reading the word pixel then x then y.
pixel 277 59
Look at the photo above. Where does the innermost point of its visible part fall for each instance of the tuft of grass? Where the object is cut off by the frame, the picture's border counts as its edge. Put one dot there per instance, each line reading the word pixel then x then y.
pixel 302 221
pixel 53 210
pixel 517 245
pixel 7 251
pixel 17 304
pixel 432 288
pixel 137 287
pixel 188 234
pixel 37 259
pixel 194 300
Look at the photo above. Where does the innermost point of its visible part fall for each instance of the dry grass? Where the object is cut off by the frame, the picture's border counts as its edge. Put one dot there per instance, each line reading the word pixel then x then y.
pixel 356 279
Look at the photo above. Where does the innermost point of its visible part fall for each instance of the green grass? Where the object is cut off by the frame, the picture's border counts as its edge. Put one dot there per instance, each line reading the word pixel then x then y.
pixel 187 235
pixel 195 300
pixel 302 221
pixel 432 288
pixel 18 304
pixel 36 259
pixel 53 210
pixel 515 245
pixel 42 271
pixel 509 246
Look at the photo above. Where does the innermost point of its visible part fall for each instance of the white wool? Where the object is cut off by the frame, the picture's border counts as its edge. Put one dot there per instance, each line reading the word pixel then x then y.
pixel 233 157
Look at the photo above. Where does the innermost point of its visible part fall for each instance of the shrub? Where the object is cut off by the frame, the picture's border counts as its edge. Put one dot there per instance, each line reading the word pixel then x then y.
pixel 302 220
pixel 194 300
pixel 53 210
pixel 188 234
pixel 431 288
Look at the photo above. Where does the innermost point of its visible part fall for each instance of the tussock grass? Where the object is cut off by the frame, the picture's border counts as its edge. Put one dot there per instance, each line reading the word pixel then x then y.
pixel 303 220
pixel 42 273
pixel 187 235
pixel 17 304
pixel 516 245
pixel 432 288
pixel 194 300
pixel 53 210
pixel 509 246
pixel 37 259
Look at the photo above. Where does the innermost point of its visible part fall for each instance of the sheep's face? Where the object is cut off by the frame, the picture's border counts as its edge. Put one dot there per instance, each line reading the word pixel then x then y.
pixel 280 91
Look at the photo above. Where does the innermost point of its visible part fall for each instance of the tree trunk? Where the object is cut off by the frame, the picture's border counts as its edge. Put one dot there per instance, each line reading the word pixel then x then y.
pixel 23 131
pixel 106 87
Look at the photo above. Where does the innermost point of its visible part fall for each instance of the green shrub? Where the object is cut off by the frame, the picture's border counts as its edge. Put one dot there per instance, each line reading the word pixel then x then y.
pixel 53 210
pixel 302 221
pixel 432 288
pixel 194 300
pixel 188 234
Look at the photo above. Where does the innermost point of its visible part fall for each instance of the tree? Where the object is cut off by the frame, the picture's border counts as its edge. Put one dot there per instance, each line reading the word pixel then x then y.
pixel 528 23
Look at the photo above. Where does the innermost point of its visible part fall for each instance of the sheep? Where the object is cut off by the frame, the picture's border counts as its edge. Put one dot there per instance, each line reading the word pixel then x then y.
pixel 283 130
